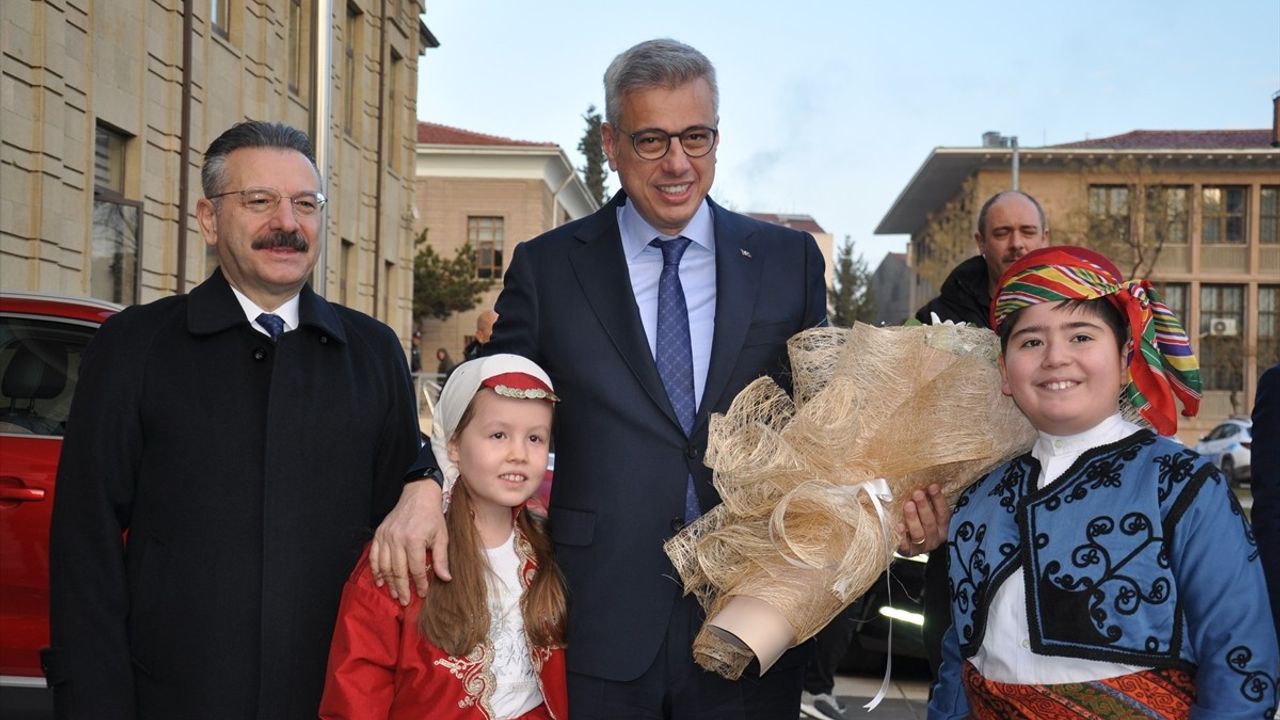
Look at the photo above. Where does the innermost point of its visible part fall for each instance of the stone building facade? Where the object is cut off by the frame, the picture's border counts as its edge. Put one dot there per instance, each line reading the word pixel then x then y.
pixel 107 107
pixel 1195 212
pixel 495 193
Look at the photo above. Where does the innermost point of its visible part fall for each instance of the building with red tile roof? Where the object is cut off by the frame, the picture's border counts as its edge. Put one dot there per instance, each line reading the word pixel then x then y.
pixel 492 192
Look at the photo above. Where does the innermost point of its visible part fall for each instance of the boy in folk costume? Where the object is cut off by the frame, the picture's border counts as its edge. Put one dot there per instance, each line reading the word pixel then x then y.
pixel 1109 572
pixel 490 644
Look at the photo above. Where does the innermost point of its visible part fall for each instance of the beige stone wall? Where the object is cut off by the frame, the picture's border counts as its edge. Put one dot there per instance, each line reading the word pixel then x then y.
pixel 71 64
pixel 444 205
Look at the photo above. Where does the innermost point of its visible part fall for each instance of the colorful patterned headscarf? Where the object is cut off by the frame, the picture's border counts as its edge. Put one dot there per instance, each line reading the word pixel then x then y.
pixel 1161 364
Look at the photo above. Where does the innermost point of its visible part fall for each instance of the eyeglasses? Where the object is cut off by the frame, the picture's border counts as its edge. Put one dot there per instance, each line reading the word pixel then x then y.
pixel 654 144
pixel 266 200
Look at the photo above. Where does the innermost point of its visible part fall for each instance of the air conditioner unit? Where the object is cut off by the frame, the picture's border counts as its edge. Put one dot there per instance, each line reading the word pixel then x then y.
pixel 1223 327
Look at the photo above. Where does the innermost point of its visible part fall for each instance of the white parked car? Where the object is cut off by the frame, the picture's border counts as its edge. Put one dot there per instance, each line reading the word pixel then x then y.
pixel 1229 446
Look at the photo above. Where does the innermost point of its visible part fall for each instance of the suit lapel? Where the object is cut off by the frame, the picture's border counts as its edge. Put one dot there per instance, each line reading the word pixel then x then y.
pixel 601 270
pixel 739 262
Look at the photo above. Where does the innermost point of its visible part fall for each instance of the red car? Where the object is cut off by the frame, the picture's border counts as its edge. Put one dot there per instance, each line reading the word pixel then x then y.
pixel 41 341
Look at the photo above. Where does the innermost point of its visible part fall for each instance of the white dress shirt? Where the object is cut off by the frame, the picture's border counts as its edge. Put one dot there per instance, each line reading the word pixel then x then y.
pixel 697 277
pixel 1005 654
pixel 288 312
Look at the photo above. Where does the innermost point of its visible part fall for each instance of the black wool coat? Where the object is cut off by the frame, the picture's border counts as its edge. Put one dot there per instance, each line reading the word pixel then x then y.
pixel 248 476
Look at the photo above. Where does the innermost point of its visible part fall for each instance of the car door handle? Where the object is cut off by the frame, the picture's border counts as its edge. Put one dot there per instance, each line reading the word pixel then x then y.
pixel 21 494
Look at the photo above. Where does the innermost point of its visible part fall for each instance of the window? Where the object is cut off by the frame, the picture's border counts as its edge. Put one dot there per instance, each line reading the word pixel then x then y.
pixel 347 273
pixel 220 16
pixel 115 266
pixel 1174 296
pixel 1221 333
pixel 1269 215
pixel 394 110
pixel 40 363
pixel 351 54
pixel 1168 215
pixel 1268 326
pixel 299 75
pixel 388 292
pixel 1108 215
pixel 1223 211
pixel 485 236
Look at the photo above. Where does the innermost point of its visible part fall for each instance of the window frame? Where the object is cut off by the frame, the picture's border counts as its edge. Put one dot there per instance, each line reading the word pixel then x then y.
pixel 351 51
pixel 1269 219
pixel 496 244
pixel 1123 222
pixel 1213 368
pixel 126 288
pixel 220 18
pixel 1153 225
pixel 1221 220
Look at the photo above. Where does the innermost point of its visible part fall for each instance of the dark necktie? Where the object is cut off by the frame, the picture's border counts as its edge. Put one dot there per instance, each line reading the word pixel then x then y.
pixel 273 324
pixel 674 353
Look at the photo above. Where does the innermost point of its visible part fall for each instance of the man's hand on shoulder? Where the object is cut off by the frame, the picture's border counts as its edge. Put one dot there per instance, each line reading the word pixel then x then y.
pixel 414 527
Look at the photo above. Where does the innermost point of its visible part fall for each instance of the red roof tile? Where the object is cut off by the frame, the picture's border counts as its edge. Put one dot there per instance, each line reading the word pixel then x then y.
pixel 438 134
pixel 795 222
pixel 1178 140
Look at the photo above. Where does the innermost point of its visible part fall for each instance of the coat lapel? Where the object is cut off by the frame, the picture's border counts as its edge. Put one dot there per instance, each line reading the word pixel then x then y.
pixel 601 270
pixel 739 262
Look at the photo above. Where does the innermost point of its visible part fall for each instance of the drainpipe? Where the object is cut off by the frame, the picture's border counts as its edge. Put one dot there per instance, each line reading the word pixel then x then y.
pixel 184 145
pixel 322 98
pixel 377 203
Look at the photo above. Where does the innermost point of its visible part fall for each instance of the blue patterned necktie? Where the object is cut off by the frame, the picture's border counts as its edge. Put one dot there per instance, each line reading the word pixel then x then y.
pixel 273 324
pixel 674 353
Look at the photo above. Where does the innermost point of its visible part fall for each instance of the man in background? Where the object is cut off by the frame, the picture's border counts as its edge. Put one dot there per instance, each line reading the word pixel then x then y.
pixel 484 331
pixel 1010 225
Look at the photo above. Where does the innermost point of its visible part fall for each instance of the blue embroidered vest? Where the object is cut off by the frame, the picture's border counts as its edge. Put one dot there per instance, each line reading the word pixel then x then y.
pixel 1097 568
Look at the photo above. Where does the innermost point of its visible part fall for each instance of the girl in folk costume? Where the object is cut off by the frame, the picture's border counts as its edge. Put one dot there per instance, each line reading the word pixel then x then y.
pixel 489 643
pixel 1109 572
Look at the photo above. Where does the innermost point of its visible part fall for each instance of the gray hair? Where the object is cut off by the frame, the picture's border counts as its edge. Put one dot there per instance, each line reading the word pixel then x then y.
pixel 986 206
pixel 250 134
pixel 662 63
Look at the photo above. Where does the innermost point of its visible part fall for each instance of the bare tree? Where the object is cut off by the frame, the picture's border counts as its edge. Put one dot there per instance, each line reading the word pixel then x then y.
pixel 1125 215
pixel 947 239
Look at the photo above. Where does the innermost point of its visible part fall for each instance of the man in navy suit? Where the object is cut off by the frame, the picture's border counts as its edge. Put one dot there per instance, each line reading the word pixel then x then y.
pixel 640 372
pixel 1266 482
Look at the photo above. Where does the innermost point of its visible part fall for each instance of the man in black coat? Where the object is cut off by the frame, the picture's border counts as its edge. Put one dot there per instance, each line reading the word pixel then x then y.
pixel 246 437
pixel 1266 482
pixel 1010 225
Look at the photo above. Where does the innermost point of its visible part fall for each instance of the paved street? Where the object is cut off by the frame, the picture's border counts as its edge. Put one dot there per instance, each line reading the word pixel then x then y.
pixel 907 698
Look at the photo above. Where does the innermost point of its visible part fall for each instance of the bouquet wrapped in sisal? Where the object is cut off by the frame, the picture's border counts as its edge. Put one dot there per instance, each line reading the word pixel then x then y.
pixel 812 487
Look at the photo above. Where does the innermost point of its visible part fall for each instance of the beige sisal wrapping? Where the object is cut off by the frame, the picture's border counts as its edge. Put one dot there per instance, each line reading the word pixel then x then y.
pixel 794 540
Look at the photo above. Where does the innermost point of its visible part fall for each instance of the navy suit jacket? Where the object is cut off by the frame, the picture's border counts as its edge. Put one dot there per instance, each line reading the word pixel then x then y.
pixel 622 458
pixel 1266 482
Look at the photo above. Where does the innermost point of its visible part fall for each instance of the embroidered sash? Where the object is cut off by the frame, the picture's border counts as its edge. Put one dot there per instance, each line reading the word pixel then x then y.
pixel 1165 693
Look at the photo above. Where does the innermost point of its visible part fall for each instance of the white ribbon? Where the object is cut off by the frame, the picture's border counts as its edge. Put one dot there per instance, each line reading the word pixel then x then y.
pixel 878 491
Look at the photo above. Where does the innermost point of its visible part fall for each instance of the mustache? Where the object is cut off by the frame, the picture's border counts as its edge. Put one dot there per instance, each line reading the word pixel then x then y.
pixel 287 240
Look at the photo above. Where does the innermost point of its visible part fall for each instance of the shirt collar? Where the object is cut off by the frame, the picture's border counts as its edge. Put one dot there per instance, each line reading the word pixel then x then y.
pixel 288 311
pixel 1108 431
pixel 637 232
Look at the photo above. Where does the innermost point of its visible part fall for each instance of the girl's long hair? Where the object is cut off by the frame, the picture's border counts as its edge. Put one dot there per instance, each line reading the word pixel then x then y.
pixel 455 614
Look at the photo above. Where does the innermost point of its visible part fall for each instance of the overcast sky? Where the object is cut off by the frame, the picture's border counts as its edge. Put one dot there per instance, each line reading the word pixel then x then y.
pixel 829 108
